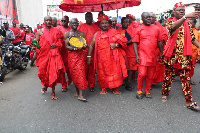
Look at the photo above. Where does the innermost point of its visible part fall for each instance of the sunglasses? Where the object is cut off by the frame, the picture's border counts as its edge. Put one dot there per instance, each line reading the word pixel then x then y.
pixel 63 20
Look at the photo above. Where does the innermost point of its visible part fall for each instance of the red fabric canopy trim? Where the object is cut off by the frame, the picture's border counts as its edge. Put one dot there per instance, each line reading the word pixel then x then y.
pixel 80 6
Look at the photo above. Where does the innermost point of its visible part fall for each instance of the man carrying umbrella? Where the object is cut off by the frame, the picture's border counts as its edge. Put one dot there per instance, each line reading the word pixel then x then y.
pixel 89 29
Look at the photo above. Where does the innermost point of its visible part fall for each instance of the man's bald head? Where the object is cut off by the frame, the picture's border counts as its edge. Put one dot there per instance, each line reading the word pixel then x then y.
pixel 74 23
pixel 65 21
pixel 153 15
pixel 146 18
pixel 48 21
pixel 89 18
pixel 54 21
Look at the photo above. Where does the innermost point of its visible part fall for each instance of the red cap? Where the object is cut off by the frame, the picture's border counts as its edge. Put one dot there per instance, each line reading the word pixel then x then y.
pixel 179 4
pixel 15 21
pixel 103 17
pixel 129 15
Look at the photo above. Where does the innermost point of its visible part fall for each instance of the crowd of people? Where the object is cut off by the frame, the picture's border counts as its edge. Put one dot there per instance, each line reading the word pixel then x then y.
pixel 114 52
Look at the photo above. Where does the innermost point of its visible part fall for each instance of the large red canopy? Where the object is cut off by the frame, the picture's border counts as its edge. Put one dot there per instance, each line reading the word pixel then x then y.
pixel 80 6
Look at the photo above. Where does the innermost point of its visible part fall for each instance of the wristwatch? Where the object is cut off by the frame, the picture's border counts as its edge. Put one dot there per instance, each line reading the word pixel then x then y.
pixel 184 17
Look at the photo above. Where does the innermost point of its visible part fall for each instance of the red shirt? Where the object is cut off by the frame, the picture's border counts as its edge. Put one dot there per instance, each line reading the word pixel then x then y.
pixel 63 30
pixel 22 34
pixel 147 37
pixel 129 50
pixel 28 39
pixel 89 31
pixel 16 30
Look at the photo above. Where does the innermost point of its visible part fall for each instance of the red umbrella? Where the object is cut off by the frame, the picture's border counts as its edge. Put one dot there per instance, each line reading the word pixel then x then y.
pixel 80 6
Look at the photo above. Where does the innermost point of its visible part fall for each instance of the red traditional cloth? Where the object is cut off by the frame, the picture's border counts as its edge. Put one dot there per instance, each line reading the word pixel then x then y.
pixel 110 63
pixel 160 68
pixel 16 30
pixel 49 61
pixel 195 51
pixel 134 24
pixel 131 57
pixel 147 37
pixel 118 24
pixel 64 54
pixel 28 39
pixel 77 67
pixel 179 4
pixel 89 31
pixel 148 72
pixel 22 34
pixel 172 40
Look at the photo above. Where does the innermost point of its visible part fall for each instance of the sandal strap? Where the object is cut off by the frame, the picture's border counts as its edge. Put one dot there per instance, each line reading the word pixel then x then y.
pixel 164 97
pixel 193 104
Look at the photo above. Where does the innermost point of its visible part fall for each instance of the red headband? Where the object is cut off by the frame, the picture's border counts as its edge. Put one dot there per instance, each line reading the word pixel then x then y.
pixel 179 4
pixel 129 15
pixel 103 17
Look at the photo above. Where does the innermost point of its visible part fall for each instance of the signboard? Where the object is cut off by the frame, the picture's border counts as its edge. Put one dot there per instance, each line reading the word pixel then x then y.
pixel 8 11
pixel 54 11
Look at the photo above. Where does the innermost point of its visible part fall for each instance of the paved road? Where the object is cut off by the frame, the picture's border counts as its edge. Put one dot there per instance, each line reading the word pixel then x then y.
pixel 23 109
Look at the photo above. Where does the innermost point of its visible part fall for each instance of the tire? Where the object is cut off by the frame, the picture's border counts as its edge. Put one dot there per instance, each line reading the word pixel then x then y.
pixel 2 74
pixel 23 66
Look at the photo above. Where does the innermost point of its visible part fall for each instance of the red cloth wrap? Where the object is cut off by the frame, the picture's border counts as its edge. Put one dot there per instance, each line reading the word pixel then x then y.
pixel 179 4
pixel 49 61
pixel 110 63
pixel 172 40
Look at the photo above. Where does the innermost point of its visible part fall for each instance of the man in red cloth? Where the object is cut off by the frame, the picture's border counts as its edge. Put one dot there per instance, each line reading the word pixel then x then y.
pixel 160 68
pixel 129 32
pixel 145 46
pixel 76 60
pixel 54 22
pixel 132 22
pixel 16 31
pixel 178 53
pixel 89 29
pixel 195 50
pixel 114 23
pixel 64 28
pixel 108 56
pixel 22 32
pixel 49 60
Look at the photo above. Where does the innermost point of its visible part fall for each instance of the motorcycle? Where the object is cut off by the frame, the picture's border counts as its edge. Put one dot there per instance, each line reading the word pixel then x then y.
pixel 13 57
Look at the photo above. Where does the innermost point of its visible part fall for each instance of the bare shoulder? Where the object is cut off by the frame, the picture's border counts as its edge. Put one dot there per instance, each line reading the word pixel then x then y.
pixel 66 34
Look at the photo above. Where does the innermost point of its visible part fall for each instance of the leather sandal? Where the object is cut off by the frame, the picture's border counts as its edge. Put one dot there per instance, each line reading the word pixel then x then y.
pixel 53 96
pixel 44 89
pixel 64 89
pixel 164 98
pixel 193 106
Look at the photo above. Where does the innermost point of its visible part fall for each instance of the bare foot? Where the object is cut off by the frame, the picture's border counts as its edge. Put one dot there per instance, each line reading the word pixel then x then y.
pixel 103 92
pixel 81 98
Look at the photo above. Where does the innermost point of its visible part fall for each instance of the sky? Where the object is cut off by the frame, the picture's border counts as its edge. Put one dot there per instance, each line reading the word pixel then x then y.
pixel 156 6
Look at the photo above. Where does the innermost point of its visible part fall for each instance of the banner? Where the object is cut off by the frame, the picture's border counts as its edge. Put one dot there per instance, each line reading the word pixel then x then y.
pixel 8 10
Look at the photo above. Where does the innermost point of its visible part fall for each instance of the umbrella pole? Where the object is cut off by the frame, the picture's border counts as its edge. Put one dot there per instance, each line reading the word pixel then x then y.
pixel 102 7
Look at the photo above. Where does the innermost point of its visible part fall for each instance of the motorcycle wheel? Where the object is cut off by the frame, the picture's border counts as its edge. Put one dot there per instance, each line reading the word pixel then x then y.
pixel 2 74
pixel 23 66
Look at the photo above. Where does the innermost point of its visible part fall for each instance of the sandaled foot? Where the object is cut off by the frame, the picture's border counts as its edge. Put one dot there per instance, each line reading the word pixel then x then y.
pixel 43 90
pixel 139 96
pixel 117 92
pixel 103 92
pixel 82 99
pixel 164 98
pixel 192 83
pixel 64 89
pixel 148 95
pixel 53 96
pixel 193 106
pixel 91 89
